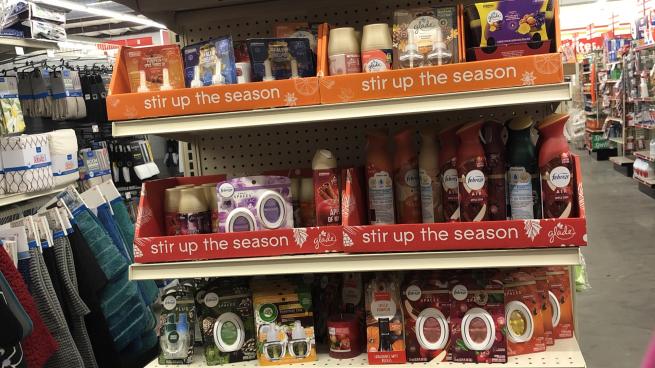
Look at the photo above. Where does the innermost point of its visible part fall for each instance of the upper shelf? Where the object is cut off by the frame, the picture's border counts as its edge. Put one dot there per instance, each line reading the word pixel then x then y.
pixel 8 199
pixel 8 45
pixel 196 124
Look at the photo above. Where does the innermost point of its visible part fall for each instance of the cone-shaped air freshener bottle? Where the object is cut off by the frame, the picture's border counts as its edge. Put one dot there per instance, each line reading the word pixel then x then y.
pixel 556 168
pixel 448 169
pixel 471 166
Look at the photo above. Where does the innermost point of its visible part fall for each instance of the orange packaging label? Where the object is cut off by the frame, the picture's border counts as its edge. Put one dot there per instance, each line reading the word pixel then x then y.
pixel 472 76
pixel 376 60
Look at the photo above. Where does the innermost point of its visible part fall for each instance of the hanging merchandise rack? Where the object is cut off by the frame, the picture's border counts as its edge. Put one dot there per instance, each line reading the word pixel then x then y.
pixel 282 133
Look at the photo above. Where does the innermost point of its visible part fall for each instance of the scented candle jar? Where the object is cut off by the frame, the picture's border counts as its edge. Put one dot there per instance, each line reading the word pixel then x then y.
pixel 344 340
pixel 376 48
pixel 343 51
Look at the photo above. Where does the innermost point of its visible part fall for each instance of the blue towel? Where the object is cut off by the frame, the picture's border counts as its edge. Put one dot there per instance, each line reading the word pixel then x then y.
pixel 110 260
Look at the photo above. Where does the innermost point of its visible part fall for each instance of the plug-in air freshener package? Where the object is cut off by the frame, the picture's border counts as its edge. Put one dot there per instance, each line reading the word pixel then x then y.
pixel 228 326
pixel 177 326
pixel 284 320
pixel 385 343
pixel 210 63
pixel 281 58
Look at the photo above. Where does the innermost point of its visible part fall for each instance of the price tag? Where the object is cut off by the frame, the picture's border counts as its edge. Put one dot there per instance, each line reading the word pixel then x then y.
pixel 19 50
pixel 94 128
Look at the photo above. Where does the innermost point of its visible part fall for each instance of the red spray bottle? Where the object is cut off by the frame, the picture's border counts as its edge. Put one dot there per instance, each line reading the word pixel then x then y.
pixel 494 150
pixel 471 166
pixel 448 169
pixel 556 168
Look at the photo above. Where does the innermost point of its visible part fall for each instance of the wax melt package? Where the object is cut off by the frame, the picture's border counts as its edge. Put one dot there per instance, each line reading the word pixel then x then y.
pixel 508 21
pixel 425 36
pixel 426 311
pixel 281 58
pixel 227 322
pixel 177 326
pixel 477 319
pixel 149 68
pixel 254 203
pixel 209 56
pixel 284 321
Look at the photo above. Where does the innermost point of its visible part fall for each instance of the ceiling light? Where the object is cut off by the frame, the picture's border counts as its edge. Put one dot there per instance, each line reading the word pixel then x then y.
pixel 102 12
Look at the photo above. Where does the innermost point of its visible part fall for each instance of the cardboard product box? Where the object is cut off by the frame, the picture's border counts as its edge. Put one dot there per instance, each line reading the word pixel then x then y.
pixel 425 36
pixel 426 311
pixel 227 322
pixel 561 300
pixel 539 274
pixel 147 66
pixel 477 319
pixel 177 326
pixel 523 313
pixel 385 343
pixel 280 58
pixel 208 56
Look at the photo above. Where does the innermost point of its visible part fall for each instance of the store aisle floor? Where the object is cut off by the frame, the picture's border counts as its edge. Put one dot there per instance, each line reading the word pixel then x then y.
pixel 617 315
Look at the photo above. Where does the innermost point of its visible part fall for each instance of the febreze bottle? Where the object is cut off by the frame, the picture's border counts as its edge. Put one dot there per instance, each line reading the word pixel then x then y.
pixel 448 169
pixel 494 149
pixel 556 168
pixel 471 166
pixel 406 179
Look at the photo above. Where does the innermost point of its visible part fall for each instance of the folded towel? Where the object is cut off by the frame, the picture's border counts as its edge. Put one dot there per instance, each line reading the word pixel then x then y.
pixel 63 152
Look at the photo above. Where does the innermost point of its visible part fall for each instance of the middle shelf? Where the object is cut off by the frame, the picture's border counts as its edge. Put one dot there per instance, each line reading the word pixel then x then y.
pixel 339 262
pixel 183 126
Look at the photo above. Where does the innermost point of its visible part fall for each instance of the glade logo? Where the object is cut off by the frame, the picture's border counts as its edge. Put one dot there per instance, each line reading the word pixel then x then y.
pixel 169 302
pixel 475 179
pixel 413 293
pixel 494 16
pixel 325 240
pixel 560 176
pixel 226 190
pixel 460 292
pixel 375 65
pixel 561 232
pixel 450 179
pixel 411 178
pixel 423 24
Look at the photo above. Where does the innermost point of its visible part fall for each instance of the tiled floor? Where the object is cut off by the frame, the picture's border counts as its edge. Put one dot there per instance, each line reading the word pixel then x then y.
pixel 617 315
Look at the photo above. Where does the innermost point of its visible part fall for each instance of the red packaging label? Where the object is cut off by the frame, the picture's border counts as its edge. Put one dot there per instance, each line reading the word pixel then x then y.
pixel 497 187
pixel 450 191
pixel 194 223
pixel 172 226
pixel 352 201
pixel 214 221
pixel 557 187
pixel 326 197
pixel 473 195
pixel 376 60
pixel 307 214
pixel 345 64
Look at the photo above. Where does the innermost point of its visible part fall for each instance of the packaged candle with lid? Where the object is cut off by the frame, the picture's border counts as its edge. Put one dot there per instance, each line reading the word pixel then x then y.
pixel 254 203
pixel 425 37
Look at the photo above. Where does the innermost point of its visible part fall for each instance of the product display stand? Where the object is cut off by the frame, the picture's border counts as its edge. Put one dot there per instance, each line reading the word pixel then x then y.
pixel 594 84
pixel 251 141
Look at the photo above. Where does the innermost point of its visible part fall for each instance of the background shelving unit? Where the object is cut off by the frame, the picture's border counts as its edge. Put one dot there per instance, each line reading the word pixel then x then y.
pixel 593 84
pixel 251 142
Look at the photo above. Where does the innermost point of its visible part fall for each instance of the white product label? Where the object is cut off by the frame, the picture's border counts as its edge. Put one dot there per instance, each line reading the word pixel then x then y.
pixel 460 292
pixel 427 202
pixel 413 293
pixel 380 194
pixel 494 16
pixel 560 176
pixel 450 179
pixel 412 178
pixel 226 190
pixel 425 31
pixel 475 179
pixel 383 309
pixel 28 158
pixel 211 300
pixel 169 302
pixel 520 193
pixel 64 164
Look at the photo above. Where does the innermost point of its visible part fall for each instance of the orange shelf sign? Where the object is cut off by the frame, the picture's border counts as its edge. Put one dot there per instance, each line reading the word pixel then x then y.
pixel 470 76
pixel 212 99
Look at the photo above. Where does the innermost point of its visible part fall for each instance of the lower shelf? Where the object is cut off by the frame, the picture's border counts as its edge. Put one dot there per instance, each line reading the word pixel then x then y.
pixel 565 353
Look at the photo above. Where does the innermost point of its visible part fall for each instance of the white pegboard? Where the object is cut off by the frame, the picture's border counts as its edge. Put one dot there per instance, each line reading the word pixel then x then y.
pixel 253 20
pixel 252 151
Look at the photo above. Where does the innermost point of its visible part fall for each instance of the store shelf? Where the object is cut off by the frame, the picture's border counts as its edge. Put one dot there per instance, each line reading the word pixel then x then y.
pixel 643 126
pixel 648 182
pixel 645 155
pixel 616 140
pixel 194 124
pixel 593 130
pixel 620 160
pixel 618 120
pixel 340 262
pixel 565 353
pixel 6 200
pixel 8 45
